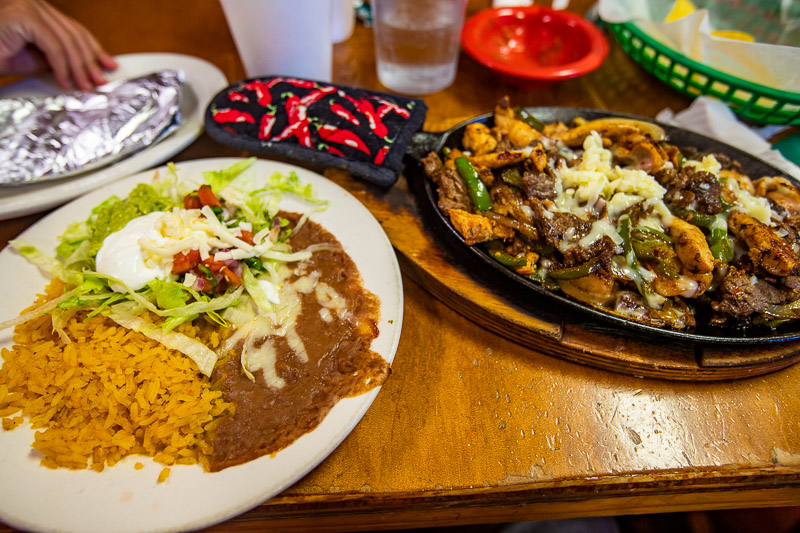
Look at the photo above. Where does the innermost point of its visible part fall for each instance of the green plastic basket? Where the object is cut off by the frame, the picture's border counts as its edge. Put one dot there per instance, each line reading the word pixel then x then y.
pixel 753 102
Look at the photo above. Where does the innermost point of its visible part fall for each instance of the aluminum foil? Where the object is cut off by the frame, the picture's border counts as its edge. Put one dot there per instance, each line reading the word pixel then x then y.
pixel 45 138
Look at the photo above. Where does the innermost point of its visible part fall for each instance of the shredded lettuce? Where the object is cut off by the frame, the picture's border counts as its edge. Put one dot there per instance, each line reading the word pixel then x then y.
pixel 214 304
pixel 174 321
pixel 302 255
pixel 242 313
pixel 49 264
pixel 291 184
pixel 202 355
pixel 260 205
pixel 169 294
pixel 80 255
pixel 173 295
pixel 219 179
pixel 77 234
pixel 59 321
pixel 255 290
pixel 147 299
pixel 43 309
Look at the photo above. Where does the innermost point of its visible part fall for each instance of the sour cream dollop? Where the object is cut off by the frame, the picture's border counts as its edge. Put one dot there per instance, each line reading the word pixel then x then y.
pixel 122 257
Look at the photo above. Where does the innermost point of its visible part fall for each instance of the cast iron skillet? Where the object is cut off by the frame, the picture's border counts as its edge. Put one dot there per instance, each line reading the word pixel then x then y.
pixel 551 305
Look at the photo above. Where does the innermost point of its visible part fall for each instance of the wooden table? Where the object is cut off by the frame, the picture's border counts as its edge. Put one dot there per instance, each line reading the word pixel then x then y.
pixel 472 427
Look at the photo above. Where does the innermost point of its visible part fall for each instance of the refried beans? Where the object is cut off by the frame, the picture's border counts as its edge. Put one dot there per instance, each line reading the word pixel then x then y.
pixel 327 356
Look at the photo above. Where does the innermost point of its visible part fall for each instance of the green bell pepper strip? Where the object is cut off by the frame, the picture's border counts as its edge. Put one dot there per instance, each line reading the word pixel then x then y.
pixel 726 205
pixel 650 233
pixel 719 243
pixel 668 270
pixel 576 272
pixel 761 321
pixel 543 249
pixel 788 311
pixel 659 251
pixel 475 186
pixel 624 230
pixel 721 246
pixel 538 247
pixel 541 276
pixel 499 254
pixel 693 217
pixel 512 176
pixel 529 119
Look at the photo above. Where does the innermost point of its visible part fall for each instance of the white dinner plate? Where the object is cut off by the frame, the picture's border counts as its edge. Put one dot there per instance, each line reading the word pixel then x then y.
pixel 123 499
pixel 202 81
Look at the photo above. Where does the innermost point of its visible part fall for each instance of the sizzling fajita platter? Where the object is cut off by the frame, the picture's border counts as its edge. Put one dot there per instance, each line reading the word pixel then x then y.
pixel 655 229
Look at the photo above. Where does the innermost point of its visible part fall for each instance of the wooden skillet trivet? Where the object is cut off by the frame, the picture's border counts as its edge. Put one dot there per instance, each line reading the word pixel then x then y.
pixel 591 343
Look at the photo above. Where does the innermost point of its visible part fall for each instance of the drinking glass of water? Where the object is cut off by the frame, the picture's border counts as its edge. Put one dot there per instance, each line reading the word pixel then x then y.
pixel 417 43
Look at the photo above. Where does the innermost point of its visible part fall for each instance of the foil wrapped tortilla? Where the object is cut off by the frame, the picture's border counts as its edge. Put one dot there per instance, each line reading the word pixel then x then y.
pixel 45 138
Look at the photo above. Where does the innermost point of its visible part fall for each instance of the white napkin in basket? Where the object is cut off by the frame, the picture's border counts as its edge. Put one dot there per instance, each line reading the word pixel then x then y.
pixel 713 118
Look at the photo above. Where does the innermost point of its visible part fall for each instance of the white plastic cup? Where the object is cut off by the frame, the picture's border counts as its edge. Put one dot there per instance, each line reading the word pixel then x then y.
pixel 417 43
pixel 343 20
pixel 282 37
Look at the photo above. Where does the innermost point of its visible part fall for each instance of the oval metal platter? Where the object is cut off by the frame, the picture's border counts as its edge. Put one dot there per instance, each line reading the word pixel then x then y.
pixel 548 304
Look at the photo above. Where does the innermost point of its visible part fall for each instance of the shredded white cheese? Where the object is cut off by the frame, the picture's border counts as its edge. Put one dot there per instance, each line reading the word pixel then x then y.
pixel 709 163
pixel 580 189
pixel 755 206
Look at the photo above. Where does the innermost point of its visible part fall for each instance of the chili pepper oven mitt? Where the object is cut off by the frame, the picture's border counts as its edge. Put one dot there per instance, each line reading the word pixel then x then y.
pixel 365 132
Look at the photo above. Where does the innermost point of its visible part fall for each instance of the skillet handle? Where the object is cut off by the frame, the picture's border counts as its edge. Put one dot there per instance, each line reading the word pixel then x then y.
pixel 422 143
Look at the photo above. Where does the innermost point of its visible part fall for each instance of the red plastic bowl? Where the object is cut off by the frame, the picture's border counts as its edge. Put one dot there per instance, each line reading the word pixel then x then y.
pixel 534 44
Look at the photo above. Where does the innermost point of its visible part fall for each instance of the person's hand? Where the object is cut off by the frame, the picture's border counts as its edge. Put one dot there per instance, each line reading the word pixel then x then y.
pixel 30 29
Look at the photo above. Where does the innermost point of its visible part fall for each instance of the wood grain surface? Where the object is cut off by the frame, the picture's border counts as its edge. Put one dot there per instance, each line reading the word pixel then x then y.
pixel 473 427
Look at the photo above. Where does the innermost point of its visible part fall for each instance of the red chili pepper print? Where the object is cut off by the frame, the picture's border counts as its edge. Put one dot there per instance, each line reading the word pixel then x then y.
pixel 288 115
pixel 299 130
pixel 364 107
pixel 381 155
pixel 235 96
pixel 385 107
pixel 263 96
pixel 315 96
pixel 298 122
pixel 222 116
pixel 295 109
pixel 303 84
pixel 340 136
pixel 343 112
pixel 334 151
pixel 265 127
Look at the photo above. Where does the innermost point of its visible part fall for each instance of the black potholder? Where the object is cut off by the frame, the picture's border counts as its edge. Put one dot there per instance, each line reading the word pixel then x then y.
pixel 366 132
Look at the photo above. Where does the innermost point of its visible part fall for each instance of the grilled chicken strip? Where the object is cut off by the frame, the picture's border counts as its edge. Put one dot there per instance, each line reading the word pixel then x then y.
pixel 498 159
pixel 477 228
pixel 765 248
pixel 478 139
pixel 691 247
pixel 518 133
